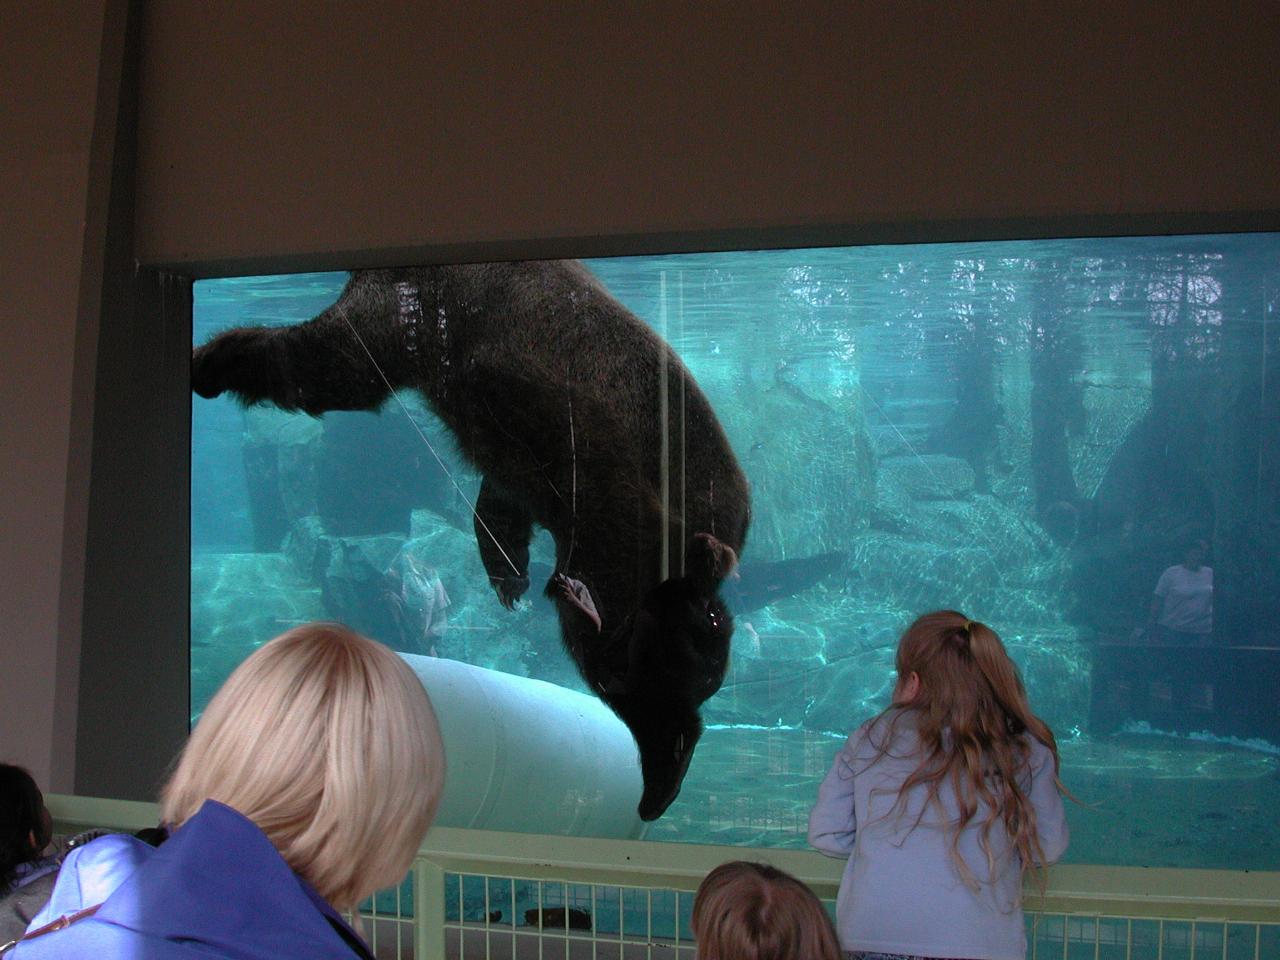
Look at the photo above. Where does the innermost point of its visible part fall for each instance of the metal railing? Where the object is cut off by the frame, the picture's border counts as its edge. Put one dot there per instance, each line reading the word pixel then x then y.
pixel 503 896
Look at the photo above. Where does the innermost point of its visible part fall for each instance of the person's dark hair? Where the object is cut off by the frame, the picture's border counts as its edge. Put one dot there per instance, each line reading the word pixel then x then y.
pixel 754 911
pixel 21 817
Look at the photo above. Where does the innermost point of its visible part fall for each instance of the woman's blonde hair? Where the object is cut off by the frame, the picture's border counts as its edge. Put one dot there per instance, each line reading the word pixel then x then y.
pixel 752 911
pixel 327 741
pixel 970 712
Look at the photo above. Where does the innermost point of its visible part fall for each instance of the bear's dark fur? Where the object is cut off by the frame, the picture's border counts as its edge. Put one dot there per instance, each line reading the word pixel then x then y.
pixel 558 394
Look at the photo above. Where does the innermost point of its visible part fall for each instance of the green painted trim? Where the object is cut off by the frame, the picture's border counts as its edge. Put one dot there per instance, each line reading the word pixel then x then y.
pixel 428 909
pixel 74 814
pixel 1236 895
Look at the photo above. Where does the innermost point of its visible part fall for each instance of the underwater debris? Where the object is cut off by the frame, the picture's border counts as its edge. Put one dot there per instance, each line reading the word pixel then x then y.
pixel 564 918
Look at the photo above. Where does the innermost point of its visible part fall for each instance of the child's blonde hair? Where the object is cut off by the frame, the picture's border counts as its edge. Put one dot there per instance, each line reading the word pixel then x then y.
pixel 972 692
pixel 752 911
pixel 327 741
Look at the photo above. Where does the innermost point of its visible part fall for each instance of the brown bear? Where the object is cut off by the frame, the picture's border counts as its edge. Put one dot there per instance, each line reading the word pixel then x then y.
pixel 582 420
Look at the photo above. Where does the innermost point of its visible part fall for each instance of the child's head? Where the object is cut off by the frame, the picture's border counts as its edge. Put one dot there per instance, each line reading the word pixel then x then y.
pixel 25 825
pixel 970 709
pixel 752 911
pixel 957 671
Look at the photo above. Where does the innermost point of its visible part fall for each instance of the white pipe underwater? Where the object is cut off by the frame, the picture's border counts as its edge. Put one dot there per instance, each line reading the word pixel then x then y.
pixel 531 757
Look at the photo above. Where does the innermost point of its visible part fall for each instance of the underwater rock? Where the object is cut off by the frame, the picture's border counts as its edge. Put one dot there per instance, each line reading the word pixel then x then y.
pixel 796 513
pixel 850 692
pixel 928 477
pixel 308 549
pixel 861 628
pixel 280 472
pixel 385 587
pixel 238 602
pixel 1055 666
pixel 892 510
pixel 355 583
pixel 981 522
pixel 914 575
pixel 902 439
pixel 373 471
pixel 980 555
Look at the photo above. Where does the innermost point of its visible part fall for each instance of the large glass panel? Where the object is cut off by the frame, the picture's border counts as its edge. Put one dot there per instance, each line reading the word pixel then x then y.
pixel 1068 440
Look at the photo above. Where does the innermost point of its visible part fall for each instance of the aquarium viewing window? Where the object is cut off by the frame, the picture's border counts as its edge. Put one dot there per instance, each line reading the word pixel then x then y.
pixel 1076 442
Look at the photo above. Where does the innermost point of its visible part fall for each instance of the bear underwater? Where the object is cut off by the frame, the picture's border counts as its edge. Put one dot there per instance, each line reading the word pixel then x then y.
pixel 582 420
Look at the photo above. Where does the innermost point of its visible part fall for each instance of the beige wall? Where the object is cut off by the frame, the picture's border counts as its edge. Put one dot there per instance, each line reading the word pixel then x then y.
pixel 49 78
pixel 319 128
pixel 308 133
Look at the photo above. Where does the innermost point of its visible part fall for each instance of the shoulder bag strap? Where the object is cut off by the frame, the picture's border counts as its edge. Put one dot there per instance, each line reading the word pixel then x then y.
pixel 63 921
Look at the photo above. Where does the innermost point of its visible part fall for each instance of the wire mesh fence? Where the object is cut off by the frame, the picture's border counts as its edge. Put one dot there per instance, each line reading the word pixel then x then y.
pixel 488 917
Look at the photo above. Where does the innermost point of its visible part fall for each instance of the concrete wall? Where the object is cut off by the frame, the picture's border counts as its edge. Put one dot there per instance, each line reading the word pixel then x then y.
pixel 317 134
pixel 49 71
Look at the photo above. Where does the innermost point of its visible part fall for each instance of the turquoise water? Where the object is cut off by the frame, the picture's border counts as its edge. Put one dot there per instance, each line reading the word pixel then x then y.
pixel 1027 431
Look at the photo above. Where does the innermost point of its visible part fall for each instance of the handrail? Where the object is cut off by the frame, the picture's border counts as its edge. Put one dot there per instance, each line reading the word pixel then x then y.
pixel 1136 892
pixel 1179 893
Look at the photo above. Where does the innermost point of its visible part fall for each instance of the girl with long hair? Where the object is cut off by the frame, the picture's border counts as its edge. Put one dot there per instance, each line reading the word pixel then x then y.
pixel 942 803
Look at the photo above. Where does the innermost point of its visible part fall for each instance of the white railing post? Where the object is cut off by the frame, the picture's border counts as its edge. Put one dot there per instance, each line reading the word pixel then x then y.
pixel 428 910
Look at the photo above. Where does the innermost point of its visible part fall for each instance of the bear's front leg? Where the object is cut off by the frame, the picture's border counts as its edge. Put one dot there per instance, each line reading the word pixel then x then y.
pixel 315 367
pixel 503 528
pixel 251 362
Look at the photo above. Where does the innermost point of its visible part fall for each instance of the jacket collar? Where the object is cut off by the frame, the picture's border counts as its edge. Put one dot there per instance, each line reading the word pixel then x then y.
pixel 220 883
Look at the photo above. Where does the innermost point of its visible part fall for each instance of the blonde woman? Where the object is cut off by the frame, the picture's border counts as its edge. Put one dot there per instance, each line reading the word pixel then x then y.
pixel 942 803
pixel 753 911
pixel 308 784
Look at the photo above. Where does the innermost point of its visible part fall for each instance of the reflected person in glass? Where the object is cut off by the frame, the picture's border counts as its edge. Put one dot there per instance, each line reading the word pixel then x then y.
pixel 1181 611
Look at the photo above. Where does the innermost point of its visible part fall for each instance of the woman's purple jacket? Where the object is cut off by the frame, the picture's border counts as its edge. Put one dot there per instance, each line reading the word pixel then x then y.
pixel 216 888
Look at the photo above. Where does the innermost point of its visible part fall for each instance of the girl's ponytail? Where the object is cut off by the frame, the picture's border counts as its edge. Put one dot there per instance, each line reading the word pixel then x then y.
pixel 1002 676
pixel 970 714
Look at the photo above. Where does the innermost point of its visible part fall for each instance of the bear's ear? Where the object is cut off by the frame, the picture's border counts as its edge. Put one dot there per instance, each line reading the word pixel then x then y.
pixel 707 558
pixel 726 562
